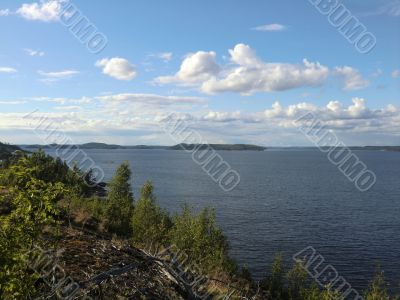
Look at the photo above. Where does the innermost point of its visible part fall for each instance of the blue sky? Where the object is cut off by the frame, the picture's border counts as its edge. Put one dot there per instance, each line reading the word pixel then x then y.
pixel 240 71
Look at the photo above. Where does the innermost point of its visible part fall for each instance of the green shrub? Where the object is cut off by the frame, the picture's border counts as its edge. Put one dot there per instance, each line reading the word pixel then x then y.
pixel 30 207
pixel 200 238
pixel 119 206
pixel 377 289
pixel 150 224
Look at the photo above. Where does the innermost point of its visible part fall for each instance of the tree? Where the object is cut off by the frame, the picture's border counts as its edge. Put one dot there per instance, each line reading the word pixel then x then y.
pixel 201 239
pixel 274 283
pixel 150 224
pixel 30 205
pixel 377 289
pixel 119 207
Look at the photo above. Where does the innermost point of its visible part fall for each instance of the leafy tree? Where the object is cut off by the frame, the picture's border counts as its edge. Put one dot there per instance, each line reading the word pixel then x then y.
pixel 200 238
pixel 119 207
pixel 28 205
pixel 150 224
pixel 48 169
pixel 296 278
pixel 274 283
pixel 377 289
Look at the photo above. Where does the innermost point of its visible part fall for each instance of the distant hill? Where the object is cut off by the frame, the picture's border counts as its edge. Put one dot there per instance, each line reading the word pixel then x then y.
pixel 378 148
pixel 93 146
pixel 183 146
pixel 230 147
pixel 6 150
pixel 239 147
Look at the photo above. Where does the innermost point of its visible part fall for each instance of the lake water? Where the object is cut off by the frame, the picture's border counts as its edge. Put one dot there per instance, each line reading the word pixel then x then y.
pixel 286 200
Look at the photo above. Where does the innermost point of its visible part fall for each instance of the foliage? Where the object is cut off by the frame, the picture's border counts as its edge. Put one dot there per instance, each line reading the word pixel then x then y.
pixel 32 187
pixel 274 283
pixel 200 238
pixel 48 169
pixel 149 223
pixel 30 205
pixel 377 289
pixel 119 207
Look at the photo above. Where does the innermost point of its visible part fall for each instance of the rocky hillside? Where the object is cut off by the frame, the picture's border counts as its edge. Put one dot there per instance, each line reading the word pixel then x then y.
pixel 102 267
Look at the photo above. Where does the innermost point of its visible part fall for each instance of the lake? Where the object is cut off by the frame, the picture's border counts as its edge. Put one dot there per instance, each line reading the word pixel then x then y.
pixel 286 200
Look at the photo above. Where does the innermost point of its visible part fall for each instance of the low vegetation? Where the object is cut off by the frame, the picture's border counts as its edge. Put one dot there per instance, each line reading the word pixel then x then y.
pixel 38 194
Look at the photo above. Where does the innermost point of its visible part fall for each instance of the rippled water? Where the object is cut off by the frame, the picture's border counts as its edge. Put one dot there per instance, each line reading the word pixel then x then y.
pixel 286 200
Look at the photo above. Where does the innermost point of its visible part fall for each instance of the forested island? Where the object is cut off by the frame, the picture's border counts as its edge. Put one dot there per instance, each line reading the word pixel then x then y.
pixel 59 239
pixel 237 147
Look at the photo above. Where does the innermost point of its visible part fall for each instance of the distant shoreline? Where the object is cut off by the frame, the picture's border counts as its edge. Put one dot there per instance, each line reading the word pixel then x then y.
pixel 101 146
pixel 223 147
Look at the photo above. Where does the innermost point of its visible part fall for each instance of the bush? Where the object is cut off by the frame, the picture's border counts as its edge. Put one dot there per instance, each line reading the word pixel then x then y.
pixel 119 206
pixel 200 238
pixel 30 207
pixel 48 169
pixel 149 223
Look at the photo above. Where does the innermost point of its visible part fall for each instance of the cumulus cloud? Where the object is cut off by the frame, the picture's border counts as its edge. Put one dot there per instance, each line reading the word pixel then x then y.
pixel 247 73
pixel 251 75
pixel 139 115
pixel 352 119
pixel 352 78
pixel 45 11
pixel 195 68
pixel 56 76
pixel 34 52
pixel 4 12
pixel 270 27
pixel 118 68
pixel 7 70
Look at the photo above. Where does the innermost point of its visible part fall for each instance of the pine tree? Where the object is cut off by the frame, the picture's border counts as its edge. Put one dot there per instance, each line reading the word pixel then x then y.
pixel 120 199
pixel 150 224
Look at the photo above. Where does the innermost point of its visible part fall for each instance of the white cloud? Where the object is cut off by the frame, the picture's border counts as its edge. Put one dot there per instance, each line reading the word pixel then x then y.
pixel 4 12
pixel 137 116
pixel 165 56
pixel 352 78
pixel 16 102
pixel 152 99
pixel 247 74
pixel 270 27
pixel 81 101
pixel 7 70
pixel 34 52
pixel 56 76
pixel 195 68
pixel 251 75
pixel 396 74
pixel 68 108
pixel 46 11
pixel 118 68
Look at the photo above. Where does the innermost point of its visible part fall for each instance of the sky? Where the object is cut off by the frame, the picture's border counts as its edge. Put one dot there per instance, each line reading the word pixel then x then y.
pixel 235 71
